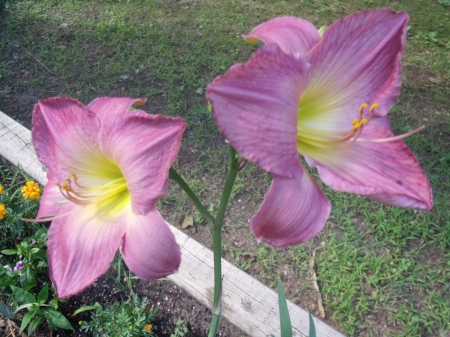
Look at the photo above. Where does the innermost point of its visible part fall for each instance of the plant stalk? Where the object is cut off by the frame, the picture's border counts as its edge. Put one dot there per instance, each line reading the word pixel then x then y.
pixel 233 168
pixel 173 174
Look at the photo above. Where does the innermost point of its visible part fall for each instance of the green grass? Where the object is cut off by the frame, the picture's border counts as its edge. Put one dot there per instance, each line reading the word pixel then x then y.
pixel 377 263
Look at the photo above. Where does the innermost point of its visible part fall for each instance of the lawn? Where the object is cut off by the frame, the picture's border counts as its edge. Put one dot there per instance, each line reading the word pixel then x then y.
pixel 381 271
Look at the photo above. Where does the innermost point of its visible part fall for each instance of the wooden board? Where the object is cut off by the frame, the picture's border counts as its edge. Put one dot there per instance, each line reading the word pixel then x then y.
pixel 246 302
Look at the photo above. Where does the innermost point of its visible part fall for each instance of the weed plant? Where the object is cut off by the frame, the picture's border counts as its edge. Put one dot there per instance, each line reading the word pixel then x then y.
pixel 126 319
pixel 12 227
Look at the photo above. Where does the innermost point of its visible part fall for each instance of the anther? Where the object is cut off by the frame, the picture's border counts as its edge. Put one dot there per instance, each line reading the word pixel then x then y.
pixel 373 106
pixel 362 107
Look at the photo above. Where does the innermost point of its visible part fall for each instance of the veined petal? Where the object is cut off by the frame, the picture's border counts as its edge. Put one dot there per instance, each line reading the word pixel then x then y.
pixel 357 61
pixel 293 35
pixel 108 106
pixel 293 211
pixel 64 134
pixel 144 147
pixel 81 247
pixel 149 247
pixel 255 106
pixel 52 201
pixel 384 171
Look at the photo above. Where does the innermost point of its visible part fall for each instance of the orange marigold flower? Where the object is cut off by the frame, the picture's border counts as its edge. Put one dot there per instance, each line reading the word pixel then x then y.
pixel 148 328
pixel 31 190
pixel 2 211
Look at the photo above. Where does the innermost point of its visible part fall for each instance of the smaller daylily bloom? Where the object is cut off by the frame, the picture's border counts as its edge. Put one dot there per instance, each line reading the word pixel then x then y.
pixel 107 166
pixel 1 189
pixel 31 190
pixel 3 211
pixel 324 95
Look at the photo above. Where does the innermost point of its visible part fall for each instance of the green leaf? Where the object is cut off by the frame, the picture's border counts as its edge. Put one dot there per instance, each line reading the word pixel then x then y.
pixel 35 324
pixel 27 279
pixel 6 281
pixel 6 310
pixel 34 250
pixel 9 251
pixel 22 247
pixel 87 307
pixel 27 318
pixel 23 296
pixel 56 319
pixel 285 320
pixel 43 295
pixel 312 327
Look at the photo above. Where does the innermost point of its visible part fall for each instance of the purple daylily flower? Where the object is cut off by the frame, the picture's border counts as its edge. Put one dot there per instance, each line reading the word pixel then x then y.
pixel 107 166
pixel 327 98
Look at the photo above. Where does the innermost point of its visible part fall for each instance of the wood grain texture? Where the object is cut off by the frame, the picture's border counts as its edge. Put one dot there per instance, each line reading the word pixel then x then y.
pixel 246 302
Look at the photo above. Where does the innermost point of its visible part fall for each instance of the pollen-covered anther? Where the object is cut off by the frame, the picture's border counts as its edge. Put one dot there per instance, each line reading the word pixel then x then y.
pixel 70 194
pixel 361 121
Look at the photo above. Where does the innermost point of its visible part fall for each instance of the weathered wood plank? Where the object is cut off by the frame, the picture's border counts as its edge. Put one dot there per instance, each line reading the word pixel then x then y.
pixel 247 303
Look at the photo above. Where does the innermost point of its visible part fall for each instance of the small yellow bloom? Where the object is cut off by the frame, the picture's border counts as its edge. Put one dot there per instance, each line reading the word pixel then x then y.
pixel 1 189
pixel 148 328
pixel 31 190
pixel 2 211
pixel 80 322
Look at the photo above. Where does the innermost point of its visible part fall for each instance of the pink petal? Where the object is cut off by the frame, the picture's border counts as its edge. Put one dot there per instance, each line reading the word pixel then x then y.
pixel 64 134
pixel 357 61
pixel 107 106
pixel 293 211
pixel 388 172
pixel 255 106
pixel 144 147
pixel 293 35
pixel 149 247
pixel 81 247
pixel 52 201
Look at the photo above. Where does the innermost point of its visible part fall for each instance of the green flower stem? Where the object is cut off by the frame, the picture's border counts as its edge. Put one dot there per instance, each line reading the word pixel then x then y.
pixel 173 174
pixel 233 169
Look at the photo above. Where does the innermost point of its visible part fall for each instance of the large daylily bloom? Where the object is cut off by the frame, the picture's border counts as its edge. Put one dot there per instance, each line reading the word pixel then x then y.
pixel 325 97
pixel 107 166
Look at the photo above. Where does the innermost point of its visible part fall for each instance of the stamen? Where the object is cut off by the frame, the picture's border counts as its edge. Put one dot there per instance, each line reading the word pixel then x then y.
pixel 320 139
pixel 362 107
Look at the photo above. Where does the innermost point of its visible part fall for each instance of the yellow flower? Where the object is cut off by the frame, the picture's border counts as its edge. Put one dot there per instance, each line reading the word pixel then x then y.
pixel 2 211
pixel 1 189
pixel 148 328
pixel 31 190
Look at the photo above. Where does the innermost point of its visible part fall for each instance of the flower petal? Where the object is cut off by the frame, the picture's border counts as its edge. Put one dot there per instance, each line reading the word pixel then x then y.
pixel 144 147
pixel 149 247
pixel 81 247
pixel 293 35
pixel 255 106
pixel 387 171
pixel 357 61
pixel 293 211
pixel 107 106
pixel 64 133
pixel 52 201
